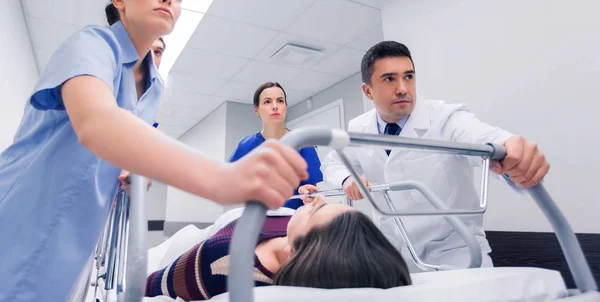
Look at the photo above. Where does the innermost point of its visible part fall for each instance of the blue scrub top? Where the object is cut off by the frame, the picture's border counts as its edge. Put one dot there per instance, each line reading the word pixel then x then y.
pixel 54 193
pixel 309 154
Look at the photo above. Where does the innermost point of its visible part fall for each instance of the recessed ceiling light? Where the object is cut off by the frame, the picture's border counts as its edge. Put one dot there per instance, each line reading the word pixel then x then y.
pixel 295 54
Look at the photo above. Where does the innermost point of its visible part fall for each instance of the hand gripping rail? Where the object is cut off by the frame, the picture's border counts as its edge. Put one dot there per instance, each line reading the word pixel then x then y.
pixel 240 283
pixel 459 226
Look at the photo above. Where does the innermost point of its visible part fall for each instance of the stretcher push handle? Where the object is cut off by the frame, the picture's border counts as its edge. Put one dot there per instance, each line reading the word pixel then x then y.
pixel 580 269
pixel 136 248
pixel 240 282
pixel 578 265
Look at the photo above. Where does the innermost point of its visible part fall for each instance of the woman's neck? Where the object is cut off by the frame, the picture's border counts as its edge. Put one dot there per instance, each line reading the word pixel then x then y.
pixel 273 131
pixel 141 40
pixel 142 43
pixel 140 74
pixel 279 245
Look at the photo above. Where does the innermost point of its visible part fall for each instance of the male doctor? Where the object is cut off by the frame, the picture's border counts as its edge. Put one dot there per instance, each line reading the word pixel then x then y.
pixel 389 80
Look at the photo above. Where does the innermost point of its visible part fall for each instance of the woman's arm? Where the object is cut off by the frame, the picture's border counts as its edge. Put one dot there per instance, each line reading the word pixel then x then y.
pixel 270 175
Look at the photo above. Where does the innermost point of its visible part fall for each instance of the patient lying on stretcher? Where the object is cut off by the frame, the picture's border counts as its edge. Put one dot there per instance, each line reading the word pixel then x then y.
pixel 319 245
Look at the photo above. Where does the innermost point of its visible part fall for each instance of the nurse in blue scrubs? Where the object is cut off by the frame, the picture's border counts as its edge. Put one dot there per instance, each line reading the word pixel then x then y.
pixel 88 117
pixel 270 105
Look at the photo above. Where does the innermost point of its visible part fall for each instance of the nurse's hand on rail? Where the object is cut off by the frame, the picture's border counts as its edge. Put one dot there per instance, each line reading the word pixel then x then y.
pixel 307 189
pixel 524 163
pixel 351 188
pixel 125 185
pixel 268 174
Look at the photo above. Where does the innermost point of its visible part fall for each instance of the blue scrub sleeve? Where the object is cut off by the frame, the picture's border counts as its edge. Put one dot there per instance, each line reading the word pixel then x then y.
pixel 238 153
pixel 314 166
pixel 92 51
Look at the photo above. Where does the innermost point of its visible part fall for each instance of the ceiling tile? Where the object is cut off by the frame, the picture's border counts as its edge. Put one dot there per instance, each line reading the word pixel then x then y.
pixel 312 81
pixel 259 72
pixel 342 19
pixel 283 38
pixel 186 103
pixel 90 12
pixel 222 36
pixel 237 91
pixel 345 62
pixel 294 96
pixel 273 14
pixel 178 121
pixel 368 39
pixel 193 83
pixel 43 57
pixel 208 64
pixel 64 11
pixel 48 34
pixel 378 4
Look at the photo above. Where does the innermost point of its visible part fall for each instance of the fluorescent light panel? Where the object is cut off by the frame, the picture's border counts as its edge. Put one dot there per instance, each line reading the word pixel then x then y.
pixel 191 14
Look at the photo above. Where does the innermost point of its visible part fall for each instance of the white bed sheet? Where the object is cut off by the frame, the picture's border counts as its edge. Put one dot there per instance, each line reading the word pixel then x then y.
pixel 483 284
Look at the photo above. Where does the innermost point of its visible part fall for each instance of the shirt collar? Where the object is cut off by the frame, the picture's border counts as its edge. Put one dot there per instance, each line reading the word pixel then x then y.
pixel 130 54
pixel 381 123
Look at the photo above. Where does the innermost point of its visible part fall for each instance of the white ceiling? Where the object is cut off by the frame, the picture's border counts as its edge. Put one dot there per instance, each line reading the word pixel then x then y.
pixel 227 57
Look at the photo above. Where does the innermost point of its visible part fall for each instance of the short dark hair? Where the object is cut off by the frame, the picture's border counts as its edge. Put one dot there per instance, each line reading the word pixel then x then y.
pixel 264 86
pixel 384 49
pixel 348 252
pixel 112 14
pixel 163 42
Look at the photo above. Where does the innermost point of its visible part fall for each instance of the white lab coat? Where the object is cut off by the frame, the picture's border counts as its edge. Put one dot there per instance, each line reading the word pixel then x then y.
pixel 451 177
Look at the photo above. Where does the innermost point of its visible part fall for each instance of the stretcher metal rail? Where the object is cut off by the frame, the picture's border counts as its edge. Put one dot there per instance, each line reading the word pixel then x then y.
pixel 124 237
pixel 240 282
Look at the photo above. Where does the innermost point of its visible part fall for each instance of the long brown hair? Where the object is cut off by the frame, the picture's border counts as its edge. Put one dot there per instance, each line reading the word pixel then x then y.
pixel 349 252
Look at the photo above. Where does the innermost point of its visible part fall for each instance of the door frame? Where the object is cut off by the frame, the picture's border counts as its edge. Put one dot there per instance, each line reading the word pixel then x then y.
pixel 337 103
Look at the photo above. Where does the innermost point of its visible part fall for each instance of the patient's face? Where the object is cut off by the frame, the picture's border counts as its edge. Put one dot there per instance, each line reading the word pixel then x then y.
pixel 272 106
pixel 313 214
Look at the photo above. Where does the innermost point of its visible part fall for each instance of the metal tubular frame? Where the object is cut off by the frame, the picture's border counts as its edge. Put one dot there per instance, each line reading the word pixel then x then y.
pixel 121 250
pixel 240 280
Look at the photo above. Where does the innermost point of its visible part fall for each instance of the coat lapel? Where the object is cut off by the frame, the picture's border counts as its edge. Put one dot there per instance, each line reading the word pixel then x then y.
pixel 370 127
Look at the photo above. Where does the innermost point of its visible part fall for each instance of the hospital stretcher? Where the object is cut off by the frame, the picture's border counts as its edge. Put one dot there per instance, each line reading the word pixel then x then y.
pixel 122 251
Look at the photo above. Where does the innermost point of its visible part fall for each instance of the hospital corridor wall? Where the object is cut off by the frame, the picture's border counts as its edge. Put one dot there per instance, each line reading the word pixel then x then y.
pixel 530 67
pixel 18 69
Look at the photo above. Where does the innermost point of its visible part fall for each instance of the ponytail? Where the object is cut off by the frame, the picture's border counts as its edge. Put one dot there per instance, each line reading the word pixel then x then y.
pixel 112 14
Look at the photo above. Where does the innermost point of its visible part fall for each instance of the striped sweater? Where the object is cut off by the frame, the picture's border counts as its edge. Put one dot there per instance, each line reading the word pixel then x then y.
pixel 201 272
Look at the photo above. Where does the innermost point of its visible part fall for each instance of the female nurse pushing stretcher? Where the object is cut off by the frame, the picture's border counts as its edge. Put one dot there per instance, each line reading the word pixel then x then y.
pixel 59 176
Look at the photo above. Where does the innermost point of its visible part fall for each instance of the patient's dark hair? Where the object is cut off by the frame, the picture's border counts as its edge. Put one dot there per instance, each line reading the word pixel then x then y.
pixel 264 86
pixel 349 252
pixel 384 49
pixel 112 14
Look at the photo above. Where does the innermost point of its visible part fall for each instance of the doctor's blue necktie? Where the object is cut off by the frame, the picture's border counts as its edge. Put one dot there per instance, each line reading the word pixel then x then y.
pixel 391 129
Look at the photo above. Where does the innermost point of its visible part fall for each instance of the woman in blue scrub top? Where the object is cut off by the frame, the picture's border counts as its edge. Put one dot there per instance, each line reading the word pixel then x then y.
pixel 88 117
pixel 270 105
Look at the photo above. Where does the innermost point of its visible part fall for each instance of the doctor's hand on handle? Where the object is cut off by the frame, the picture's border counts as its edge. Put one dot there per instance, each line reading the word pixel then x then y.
pixel 351 188
pixel 524 162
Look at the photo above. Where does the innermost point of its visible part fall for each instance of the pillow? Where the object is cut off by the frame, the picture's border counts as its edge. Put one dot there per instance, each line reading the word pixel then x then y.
pixel 181 242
